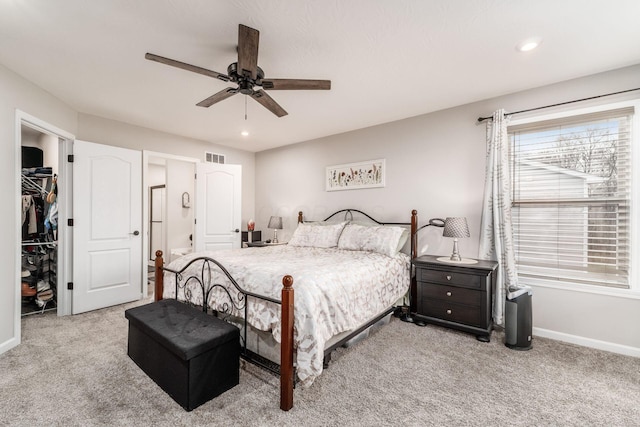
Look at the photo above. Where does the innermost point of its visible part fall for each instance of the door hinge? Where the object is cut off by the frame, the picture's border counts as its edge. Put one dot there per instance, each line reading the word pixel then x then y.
pixel 70 222
pixel 70 286
pixel 195 221
pixel 70 158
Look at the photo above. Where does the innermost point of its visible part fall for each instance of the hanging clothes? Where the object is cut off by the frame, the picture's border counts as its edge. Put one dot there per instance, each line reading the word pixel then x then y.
pixel 29 212
pixel 51 221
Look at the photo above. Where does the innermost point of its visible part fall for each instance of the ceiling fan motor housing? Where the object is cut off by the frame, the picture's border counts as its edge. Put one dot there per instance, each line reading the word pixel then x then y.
pixel 244 80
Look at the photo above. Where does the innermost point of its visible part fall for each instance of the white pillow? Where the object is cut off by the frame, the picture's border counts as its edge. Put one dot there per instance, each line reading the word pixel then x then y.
pixel 382 239
pixel 317 235
pixel 403 239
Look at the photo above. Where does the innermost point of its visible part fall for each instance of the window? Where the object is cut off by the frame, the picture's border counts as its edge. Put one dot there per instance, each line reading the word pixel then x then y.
pixel 571 198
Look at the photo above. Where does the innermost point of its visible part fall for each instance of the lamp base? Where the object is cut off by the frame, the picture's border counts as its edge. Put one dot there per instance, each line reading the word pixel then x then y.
pixel 448 260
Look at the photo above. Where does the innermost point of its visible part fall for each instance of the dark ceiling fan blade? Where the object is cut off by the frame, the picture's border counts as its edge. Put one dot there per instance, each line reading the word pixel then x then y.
pixel 188 67
pixel 217 97
pixel 295 84
pixel 269 103
pixel 248 40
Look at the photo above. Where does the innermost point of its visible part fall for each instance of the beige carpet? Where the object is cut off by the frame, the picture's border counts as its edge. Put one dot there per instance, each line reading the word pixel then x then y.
pixel 74 371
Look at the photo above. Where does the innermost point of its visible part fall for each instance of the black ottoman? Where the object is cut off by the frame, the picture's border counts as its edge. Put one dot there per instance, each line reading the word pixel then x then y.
pixel 191 355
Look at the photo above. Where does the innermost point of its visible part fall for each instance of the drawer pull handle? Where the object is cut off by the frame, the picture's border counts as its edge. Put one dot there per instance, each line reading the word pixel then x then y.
pixel 448 311
pixel 448 277
pixel 448 294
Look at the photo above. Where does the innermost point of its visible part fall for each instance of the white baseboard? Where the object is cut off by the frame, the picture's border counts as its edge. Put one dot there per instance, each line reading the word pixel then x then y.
pixel 588 342
pixel 9 344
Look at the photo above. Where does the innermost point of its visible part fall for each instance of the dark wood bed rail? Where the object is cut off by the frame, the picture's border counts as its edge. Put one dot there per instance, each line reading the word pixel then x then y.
pixel 287 311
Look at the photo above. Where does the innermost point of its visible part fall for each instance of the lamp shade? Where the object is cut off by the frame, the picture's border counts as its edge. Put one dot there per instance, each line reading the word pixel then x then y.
pixel 456 227
pixel 275 222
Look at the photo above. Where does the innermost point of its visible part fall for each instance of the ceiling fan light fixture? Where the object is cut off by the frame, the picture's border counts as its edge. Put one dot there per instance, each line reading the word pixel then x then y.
pixel 528 44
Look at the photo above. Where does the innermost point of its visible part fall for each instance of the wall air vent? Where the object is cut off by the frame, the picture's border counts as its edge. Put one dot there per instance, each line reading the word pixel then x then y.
pixel 213 157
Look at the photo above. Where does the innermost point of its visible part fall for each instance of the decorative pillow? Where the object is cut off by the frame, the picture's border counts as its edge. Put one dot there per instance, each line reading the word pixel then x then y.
pixel 382 239
pixel 317 235
pixel 403 239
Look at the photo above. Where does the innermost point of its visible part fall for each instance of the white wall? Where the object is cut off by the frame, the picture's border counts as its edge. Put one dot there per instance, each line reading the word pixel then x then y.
pixel 435 164
pixel 17 93
pixel 155 175
pixel 179 219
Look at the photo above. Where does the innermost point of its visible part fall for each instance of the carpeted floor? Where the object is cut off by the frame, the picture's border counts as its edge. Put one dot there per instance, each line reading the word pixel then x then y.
pixel 74 371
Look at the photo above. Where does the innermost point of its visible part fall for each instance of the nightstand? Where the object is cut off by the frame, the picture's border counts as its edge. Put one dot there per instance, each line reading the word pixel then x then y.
pixel 457 296
pixel 251 236
pixel 263 244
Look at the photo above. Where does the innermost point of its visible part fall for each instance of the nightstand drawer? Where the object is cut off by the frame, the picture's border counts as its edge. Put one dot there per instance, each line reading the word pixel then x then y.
pixel 450 294
pixel 451 312
pixel 447 277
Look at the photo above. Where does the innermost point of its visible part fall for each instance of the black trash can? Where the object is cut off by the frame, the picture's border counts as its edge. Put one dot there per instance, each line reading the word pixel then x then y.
pixel 518 318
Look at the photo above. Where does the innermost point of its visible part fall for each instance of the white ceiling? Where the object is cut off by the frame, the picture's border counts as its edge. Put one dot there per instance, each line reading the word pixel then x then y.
pixel 387 59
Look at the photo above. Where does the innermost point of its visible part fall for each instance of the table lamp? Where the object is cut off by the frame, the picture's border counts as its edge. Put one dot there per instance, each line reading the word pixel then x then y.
pixel 457 228
pixel 275 222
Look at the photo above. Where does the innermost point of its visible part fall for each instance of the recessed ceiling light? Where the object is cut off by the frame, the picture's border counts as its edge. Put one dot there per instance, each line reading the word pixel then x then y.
pixel 529 44
pixel 244 133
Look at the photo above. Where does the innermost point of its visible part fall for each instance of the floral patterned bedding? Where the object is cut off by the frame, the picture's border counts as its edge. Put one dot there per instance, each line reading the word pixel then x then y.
pixel 335 291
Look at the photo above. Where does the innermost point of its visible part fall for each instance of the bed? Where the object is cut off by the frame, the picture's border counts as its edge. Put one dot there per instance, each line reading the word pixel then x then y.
pixel 348 274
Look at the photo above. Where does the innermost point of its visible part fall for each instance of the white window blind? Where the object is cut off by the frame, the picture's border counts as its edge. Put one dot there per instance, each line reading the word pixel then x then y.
pixel 571 199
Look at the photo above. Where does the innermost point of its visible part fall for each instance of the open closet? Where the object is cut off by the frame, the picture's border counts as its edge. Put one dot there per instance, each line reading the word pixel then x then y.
pixel 39 247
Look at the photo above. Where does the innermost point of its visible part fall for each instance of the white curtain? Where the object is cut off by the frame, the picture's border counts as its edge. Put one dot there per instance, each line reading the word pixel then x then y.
pixel 496 232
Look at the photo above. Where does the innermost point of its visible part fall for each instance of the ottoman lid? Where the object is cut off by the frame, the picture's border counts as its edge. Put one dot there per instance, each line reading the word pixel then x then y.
pixel 184 330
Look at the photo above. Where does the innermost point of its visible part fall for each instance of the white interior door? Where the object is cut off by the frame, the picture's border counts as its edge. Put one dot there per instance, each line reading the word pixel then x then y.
pixel 107 219
pixel 218 206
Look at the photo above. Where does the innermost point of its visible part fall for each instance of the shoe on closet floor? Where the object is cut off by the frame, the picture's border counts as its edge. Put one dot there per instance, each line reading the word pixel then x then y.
pixel 27 291
pixel 42 286
pixel 43 297
pixel 29 268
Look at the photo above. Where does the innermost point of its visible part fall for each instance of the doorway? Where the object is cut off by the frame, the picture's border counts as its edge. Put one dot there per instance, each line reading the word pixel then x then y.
pixel 39 231
pixel 99 206
pixel 56 143
pixel 168 209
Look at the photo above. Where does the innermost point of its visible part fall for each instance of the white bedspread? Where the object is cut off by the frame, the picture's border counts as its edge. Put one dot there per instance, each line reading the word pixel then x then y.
pixel 335 291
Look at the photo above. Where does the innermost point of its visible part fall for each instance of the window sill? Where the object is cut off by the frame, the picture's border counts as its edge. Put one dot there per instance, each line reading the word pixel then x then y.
pixel 598 290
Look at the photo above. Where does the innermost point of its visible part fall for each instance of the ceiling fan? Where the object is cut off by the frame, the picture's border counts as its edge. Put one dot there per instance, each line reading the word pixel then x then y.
pixel 247 75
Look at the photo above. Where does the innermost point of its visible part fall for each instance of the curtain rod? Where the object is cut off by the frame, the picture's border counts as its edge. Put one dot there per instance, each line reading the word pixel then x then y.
pixel 482 119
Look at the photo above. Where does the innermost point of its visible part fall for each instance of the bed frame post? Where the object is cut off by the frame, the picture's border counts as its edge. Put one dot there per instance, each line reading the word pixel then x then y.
pixel 159 277
pixel 413 290
pixel 286 345
pixel 414 234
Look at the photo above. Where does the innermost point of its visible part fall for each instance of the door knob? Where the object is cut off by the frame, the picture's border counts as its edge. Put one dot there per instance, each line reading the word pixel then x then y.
pixel 135 233
pixel 237 230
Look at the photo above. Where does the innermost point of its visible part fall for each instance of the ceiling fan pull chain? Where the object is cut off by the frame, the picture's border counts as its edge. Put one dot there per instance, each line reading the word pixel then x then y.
pixel 245 108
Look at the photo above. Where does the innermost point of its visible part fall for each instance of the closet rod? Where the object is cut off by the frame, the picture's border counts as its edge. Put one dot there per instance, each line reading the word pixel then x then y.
pixel 482 119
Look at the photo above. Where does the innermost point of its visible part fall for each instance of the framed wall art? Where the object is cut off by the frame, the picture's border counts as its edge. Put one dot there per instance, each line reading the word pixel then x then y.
pixel 352 176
